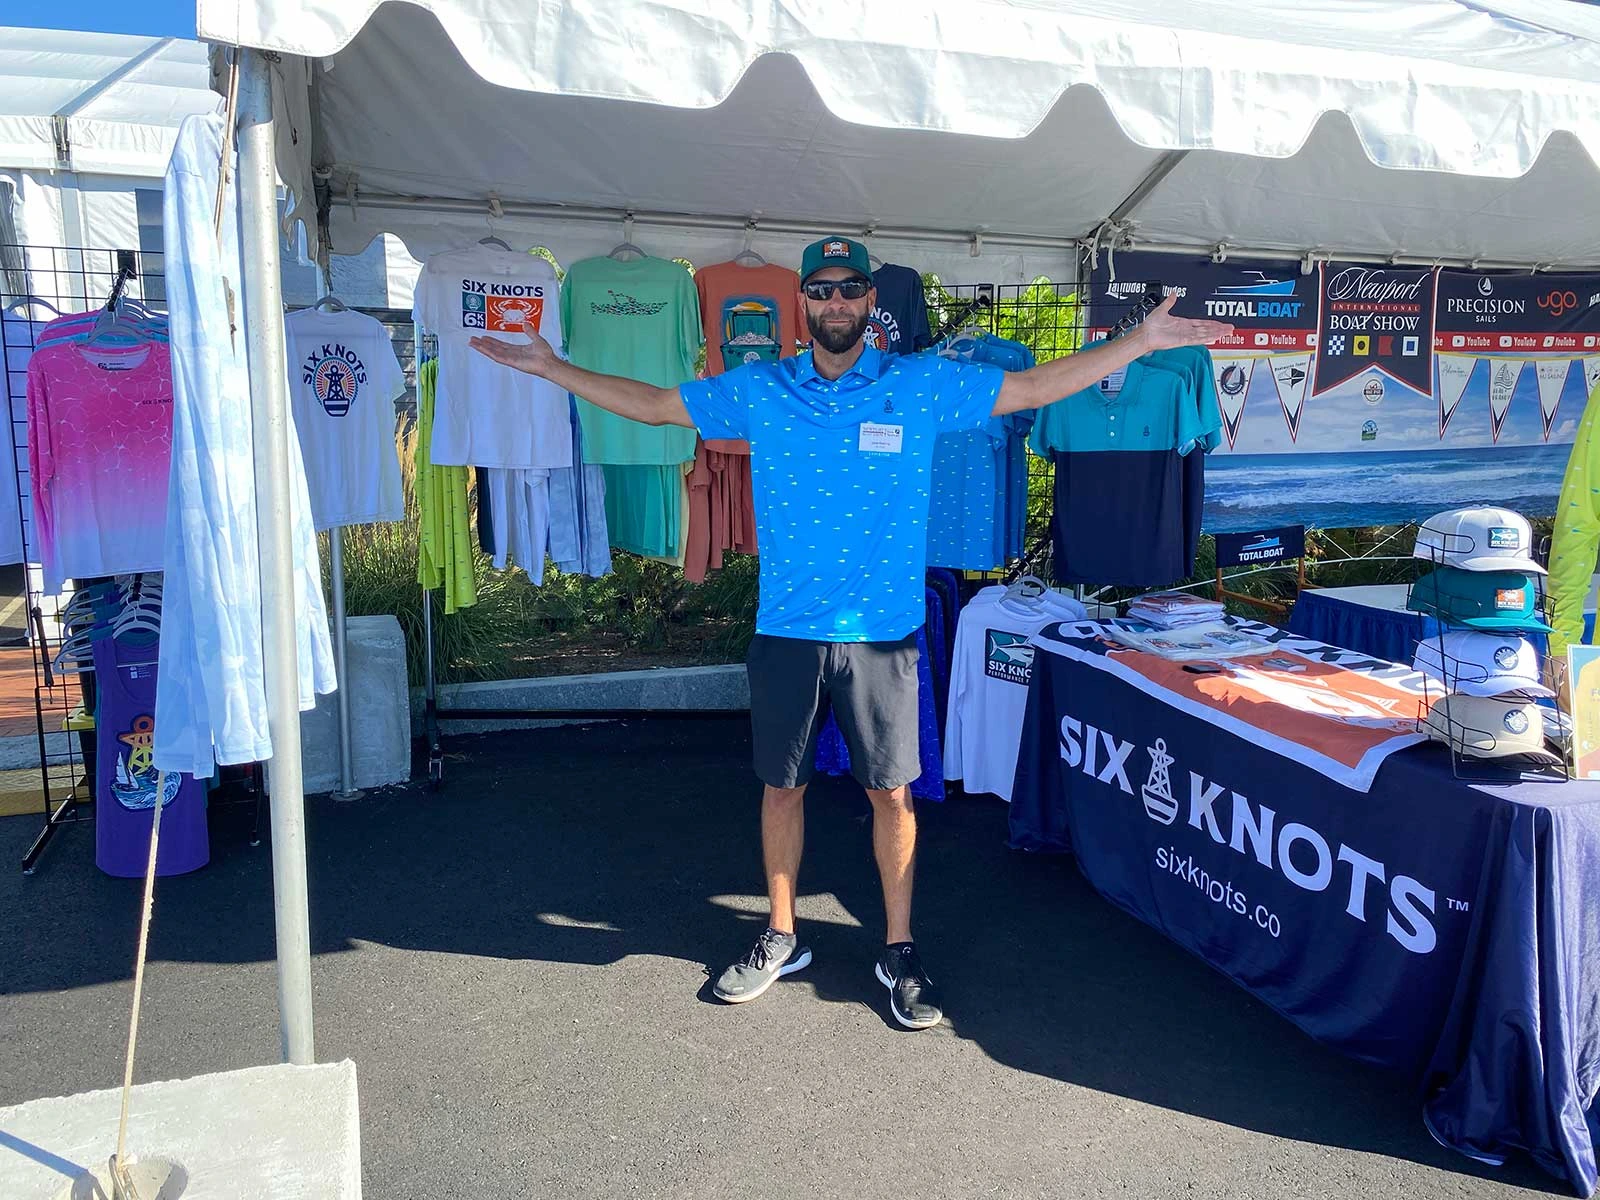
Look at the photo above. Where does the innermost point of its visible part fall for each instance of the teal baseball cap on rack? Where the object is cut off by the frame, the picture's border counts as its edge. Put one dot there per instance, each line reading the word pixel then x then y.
pixel 835 252
pixel 1478 599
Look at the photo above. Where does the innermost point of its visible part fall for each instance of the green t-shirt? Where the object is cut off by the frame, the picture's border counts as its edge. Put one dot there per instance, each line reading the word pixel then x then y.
pixel 637 319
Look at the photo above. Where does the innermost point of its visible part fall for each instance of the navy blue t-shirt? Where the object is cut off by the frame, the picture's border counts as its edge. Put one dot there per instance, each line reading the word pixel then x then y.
pixel 899 322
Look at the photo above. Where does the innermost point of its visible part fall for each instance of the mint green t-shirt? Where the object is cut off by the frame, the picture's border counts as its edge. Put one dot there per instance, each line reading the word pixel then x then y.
pixel 640 320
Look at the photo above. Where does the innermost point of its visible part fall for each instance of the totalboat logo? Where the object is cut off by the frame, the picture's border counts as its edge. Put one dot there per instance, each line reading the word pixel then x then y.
pixel 1365 886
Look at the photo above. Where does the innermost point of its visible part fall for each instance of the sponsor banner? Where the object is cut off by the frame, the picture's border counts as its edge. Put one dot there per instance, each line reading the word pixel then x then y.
pixel 1374 318
pixel 1290 372
pixel 1552 375
pixel 1272 307
pixel 1262 546
pixel 1232 378
pixel 1503 376
pixel 1422 417
pixel 1488 306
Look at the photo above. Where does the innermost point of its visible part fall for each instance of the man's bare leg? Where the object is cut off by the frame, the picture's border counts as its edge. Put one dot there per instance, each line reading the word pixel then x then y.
pixel 783 833
pixel 777 951
pixel 913 999
pixel 894 844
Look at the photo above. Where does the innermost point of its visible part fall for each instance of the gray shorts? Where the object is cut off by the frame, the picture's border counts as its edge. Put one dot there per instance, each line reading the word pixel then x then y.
pixel 871 688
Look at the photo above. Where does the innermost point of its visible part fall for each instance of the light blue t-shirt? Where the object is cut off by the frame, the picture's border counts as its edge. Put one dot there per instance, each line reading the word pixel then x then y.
pixel 841 475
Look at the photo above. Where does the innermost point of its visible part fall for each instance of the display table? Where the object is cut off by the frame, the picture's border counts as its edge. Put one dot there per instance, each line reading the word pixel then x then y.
pixel 1373 619
pixel 1445 928
pixel 1370 619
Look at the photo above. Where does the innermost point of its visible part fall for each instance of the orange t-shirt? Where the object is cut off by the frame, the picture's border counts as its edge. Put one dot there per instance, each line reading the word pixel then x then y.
pixel 750 314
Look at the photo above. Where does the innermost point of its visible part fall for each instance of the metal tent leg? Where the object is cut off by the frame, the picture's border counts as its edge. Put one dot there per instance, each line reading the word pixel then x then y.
pixel 430 697
pixel 347 788
pixel 269 407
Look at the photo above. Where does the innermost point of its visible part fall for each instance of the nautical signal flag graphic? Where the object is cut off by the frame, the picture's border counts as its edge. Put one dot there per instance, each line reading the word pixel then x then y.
pixel 1385 347
pixel 1361 344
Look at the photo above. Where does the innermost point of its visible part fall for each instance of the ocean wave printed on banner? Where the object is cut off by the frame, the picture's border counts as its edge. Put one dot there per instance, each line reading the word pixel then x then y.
pixel 1336 491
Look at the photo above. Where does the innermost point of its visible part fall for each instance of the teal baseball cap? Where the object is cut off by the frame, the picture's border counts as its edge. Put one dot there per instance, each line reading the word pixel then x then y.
pixel 1478 599
pixel 834 252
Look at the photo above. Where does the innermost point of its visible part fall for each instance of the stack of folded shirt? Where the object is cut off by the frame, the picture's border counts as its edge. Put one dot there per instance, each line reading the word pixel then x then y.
pixel 1175 610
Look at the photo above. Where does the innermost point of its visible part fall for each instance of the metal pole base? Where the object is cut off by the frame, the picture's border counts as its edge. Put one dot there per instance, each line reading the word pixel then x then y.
pixel 346 797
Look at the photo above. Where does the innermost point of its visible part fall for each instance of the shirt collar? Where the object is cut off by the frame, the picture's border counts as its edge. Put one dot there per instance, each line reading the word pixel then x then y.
pixel 869 366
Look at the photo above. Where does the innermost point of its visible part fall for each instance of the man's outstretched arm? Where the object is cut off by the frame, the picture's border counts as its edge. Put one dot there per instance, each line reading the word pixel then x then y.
pixel 1052 381
pixel 626 397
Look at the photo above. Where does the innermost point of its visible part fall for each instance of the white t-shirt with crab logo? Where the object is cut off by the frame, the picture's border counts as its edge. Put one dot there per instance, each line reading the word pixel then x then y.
pixel 486 415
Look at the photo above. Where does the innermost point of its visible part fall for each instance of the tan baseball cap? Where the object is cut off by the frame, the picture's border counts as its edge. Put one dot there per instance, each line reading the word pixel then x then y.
pixel 1491 727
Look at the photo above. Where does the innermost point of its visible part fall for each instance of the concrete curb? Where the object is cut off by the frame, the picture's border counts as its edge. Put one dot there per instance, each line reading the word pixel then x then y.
pixel 663 689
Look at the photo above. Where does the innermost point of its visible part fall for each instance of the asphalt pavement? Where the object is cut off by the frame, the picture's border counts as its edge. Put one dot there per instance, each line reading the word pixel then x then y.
pixel 520 967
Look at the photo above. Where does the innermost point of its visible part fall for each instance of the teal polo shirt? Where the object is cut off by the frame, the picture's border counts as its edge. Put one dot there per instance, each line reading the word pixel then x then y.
pixel 841 472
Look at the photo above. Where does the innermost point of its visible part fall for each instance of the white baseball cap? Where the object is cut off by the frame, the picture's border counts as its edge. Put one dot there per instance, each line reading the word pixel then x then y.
pixel 1490 727
pixel 1478 539
pixel 1481 664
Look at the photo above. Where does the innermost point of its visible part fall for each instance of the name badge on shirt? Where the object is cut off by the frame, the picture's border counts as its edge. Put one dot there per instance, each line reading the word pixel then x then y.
pixel 880 439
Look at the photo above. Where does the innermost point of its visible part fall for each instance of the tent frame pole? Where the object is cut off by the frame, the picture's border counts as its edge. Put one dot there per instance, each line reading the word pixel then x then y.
pixel 996 240
pixel 269 418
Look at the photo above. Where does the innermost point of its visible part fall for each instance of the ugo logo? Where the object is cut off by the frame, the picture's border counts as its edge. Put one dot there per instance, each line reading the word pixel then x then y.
pixel 1558 302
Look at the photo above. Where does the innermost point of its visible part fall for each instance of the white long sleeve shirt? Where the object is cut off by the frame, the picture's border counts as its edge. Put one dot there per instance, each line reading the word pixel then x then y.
pixel 211 700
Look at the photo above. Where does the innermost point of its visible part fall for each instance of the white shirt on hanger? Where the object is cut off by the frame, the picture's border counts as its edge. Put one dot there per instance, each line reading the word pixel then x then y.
pixel 991 667
pixel 343 382
pixel 210 696
pixel 485 415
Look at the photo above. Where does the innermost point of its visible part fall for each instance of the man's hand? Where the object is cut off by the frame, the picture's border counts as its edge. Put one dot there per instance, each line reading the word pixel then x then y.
pixel 535 356
pixel 626 397
pixel 1162 331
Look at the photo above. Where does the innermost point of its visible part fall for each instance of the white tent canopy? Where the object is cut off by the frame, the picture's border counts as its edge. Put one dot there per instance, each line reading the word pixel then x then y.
pixel 1457 130
pixel 95 102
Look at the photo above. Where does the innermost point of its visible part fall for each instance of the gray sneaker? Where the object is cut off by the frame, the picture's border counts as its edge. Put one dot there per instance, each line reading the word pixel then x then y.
pixel 773 956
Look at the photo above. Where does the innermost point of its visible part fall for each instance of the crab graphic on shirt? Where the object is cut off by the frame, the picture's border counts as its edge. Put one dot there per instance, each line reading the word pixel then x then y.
pixel 515 314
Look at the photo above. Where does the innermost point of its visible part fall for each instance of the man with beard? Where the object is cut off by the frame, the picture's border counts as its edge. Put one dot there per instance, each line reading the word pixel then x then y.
pixel 841 444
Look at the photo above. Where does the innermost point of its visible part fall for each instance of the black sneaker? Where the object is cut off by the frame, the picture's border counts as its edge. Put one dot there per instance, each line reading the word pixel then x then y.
pixel 773 956
pixel 912 997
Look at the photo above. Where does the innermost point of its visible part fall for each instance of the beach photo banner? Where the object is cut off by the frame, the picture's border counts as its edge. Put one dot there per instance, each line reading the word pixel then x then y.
pixel 1482 407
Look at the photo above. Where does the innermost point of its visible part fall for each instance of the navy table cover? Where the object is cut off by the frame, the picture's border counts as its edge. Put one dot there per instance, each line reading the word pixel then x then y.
pixel 1447 928
pixel 1339 617
pixel 1327 616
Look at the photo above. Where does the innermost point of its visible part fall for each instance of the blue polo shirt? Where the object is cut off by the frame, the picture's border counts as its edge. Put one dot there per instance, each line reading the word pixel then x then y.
pixel 841 473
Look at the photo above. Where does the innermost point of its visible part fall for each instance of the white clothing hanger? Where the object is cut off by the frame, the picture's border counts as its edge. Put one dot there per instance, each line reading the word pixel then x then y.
pixel 625 247
pixel 748 257
pixel 29 301
pixel 1026 587
pixel 332 303
pixel 495 211
pixel 874 261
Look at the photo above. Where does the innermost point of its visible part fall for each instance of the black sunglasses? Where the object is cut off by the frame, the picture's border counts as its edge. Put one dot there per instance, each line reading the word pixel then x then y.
pixel 823 289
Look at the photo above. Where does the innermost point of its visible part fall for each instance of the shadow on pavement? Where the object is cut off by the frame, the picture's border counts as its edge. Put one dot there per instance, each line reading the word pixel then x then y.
pixel 590 845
